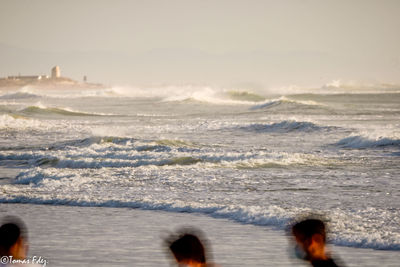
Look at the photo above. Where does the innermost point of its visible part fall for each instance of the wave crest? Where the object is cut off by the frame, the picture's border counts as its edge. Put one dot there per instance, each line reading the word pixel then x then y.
pixel 270 215
pixel 284 101
pixel 40 109
pixel 19 95
pixel 286 127
pixel 360 142
pixel 14 121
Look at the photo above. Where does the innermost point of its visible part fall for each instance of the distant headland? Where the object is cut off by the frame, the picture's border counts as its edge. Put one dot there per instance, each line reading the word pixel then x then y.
pixel 46 81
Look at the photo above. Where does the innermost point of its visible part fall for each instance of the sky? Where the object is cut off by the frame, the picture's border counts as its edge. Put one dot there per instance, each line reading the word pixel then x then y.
pixel 219 42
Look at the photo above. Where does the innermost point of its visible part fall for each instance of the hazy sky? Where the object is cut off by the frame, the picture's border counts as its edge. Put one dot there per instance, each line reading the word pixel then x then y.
pixel 227 42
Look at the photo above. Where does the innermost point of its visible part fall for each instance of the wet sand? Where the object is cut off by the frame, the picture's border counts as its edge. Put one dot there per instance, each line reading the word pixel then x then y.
pixel 95 236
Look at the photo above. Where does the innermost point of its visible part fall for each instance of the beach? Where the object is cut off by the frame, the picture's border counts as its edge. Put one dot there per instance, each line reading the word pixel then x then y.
pixel 122 122
pixel 93 236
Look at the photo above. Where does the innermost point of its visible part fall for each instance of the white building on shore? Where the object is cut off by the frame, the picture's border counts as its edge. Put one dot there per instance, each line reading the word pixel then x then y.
pixel 55 72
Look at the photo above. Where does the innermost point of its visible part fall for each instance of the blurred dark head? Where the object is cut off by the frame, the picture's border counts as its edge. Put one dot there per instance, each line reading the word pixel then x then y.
pixel 13 237
pixel 310 239
pixel 187 247
pixel 306 229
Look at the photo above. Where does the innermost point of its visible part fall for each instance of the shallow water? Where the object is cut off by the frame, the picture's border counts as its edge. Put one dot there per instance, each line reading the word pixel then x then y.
pixel 104 236
pixel 253 158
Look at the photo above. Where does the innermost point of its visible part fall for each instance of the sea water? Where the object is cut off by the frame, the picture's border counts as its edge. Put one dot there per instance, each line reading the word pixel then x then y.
pixel 260 158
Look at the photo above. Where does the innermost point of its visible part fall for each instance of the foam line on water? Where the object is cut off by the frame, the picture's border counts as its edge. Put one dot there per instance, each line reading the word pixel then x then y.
pixel 263 216
pixel 125 152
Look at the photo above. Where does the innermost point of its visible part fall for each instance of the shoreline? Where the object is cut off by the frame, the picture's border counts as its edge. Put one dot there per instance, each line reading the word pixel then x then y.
pixel 52 86
pixel 72 236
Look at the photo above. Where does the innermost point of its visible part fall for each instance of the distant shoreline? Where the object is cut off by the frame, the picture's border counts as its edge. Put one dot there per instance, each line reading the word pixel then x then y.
pixel 61 82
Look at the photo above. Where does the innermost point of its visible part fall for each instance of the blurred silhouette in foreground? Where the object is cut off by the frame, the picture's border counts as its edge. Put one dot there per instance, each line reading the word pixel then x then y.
pixel 13 238
pixel 14 244
pixel 188 249
pixel 310 237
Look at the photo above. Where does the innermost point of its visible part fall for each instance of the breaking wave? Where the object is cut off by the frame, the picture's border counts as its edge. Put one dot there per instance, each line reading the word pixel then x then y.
pixel 55 92
pixel 91 163
pixel 355 87
pixel 335 87
pixel 136 160
pixel 204 93
pixel 14 121
pixel 271 215
pixel 286 127
pixel 214 96
pixel 19 95
pixel 169 93
pixel 285 101
pixel 40 109
pixel 361 142
pixel 245 96
pixel 117 152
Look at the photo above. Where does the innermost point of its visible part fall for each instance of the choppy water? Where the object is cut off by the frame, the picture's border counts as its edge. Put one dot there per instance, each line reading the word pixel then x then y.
pixel 253 158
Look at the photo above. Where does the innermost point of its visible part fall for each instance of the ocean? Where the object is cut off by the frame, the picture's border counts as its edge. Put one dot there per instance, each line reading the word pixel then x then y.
pixel 260 158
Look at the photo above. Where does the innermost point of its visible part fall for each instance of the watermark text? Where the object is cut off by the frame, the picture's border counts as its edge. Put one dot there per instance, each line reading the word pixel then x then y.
pixel 31 260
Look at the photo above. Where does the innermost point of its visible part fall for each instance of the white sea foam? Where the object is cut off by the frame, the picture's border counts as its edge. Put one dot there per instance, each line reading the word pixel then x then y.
pixel 203 93
pixel 215 96
pixel 345 229
pixel 10 121
pixel 128 184
pixel 116 152
pixel 160 92
pixel 356 87
pixel 337 86
pixel 69 93
pixel 204 151
pixel 167 93
pixel 17 126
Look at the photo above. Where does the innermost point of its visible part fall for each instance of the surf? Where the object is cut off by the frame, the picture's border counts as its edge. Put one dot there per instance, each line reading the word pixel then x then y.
pixel 40 109
pixel 286 126
pixel 363 142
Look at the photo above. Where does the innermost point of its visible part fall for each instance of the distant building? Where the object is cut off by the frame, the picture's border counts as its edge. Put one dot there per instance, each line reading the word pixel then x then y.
pixel 55 72
pixel 54 80
pixel 28 78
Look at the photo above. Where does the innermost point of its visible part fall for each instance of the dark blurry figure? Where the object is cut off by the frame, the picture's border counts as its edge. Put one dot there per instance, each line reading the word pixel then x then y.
pixel 310 236
pixel 188 249
pixel 14 245
pixel 13 238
